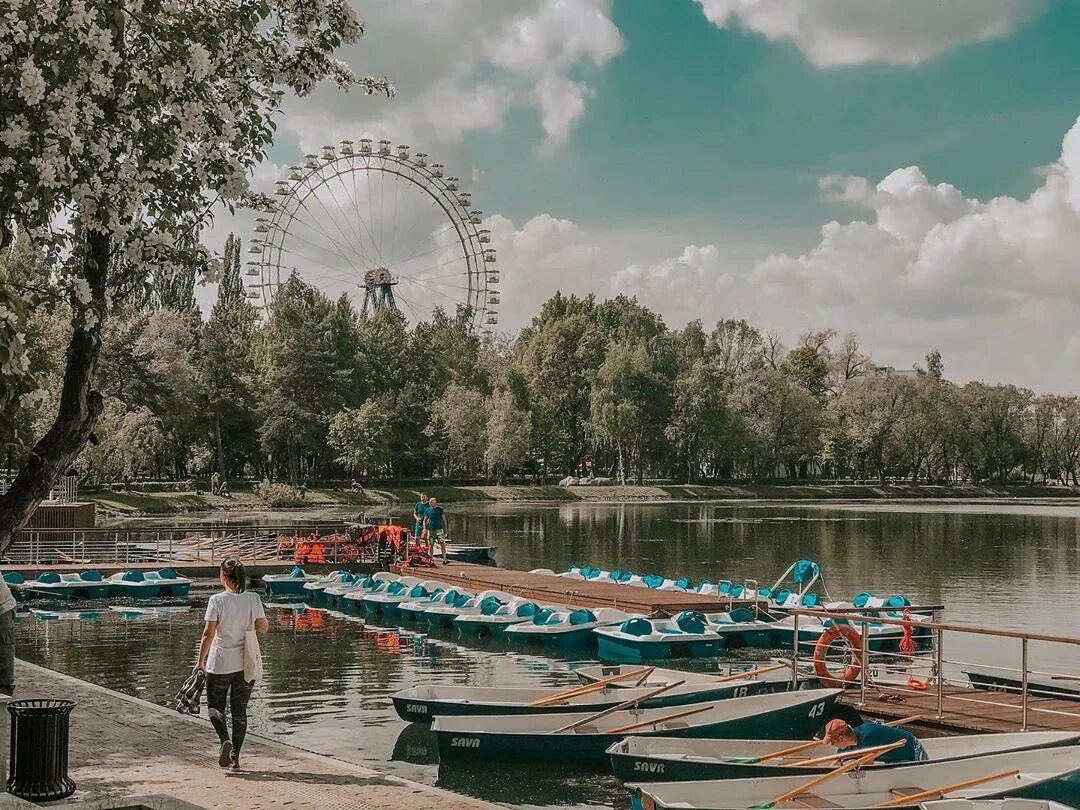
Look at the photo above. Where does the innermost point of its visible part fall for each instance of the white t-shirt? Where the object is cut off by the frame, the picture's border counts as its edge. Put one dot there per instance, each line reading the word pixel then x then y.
pixel 234 613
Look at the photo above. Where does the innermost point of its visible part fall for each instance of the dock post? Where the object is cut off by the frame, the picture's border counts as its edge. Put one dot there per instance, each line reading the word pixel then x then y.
pixel 864 674
pixel 1024 684
pixel 795 653
pixel 938 668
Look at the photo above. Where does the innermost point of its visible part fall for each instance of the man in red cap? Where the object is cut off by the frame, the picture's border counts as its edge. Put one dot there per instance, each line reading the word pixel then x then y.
pixel 871 735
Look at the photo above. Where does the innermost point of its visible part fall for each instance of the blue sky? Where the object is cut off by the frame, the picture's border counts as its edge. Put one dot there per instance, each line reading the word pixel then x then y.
pixel 893 169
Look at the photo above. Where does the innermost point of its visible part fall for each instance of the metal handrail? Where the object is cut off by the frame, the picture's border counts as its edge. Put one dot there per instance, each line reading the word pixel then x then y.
pixel 938 629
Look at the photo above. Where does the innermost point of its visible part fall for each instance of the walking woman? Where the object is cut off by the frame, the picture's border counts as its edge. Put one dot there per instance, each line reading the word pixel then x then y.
pixel 229 616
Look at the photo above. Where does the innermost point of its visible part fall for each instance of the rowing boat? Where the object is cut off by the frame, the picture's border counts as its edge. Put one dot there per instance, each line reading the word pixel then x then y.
pixel 422 704
pixel 993 804
pixel 674 760
pixel 660 676
pixel 995 682
pixel 581 737
pixel 1025 774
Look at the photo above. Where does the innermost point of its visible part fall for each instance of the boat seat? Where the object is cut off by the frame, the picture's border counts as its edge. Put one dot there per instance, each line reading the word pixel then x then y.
pixel 586 730
pixel 675 724
pixel 906 791
pixel 810 800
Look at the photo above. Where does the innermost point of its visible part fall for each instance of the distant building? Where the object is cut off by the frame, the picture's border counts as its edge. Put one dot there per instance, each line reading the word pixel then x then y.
pixel 892 371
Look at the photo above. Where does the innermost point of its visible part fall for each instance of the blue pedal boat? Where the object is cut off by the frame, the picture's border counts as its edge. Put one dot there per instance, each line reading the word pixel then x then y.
pixel 14 578
pixel 496 614
pixel 440 613
pixel 686 635
pixel 386 602
pixel 565 627
pixel 289 584
pixel 170 582
pixel 85 585
pixel 316 591
pixel 412 611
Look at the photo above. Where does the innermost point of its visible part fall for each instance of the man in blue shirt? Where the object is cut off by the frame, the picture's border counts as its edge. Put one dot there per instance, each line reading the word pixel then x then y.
pixel 871 735
pixel 433 521
pixel 419 512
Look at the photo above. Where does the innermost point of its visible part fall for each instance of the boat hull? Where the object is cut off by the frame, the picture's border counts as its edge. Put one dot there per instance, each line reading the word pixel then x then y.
pixel 623 648
pixel 421 710
pixel 798 721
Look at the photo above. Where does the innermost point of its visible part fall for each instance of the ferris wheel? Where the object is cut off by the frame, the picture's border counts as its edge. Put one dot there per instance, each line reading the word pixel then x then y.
pixel 387 228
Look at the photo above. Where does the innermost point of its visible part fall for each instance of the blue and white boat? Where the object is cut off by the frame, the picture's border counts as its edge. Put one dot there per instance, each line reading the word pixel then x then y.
pixel 495 616
pixel 413 611
pixel 316 591
pixel 288 584
pixel 441 612
pixel 386 601
pixel 169 582
pixel 85 585
pixel 565 627
pixel 352 600
pixel 742 627
pixel 14 578
pixel 686 635
pixel 882 637
pixel 134 583
pixel 444 614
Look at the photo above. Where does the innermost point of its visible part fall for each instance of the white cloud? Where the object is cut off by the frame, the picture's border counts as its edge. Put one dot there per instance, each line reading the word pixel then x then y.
pixel 463 66
pixel 836 33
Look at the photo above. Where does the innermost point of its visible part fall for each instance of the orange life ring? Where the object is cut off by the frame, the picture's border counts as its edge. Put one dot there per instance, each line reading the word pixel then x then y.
pixel 851 674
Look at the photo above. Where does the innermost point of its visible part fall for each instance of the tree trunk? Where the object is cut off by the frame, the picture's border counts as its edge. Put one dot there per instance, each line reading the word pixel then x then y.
pixel 220 451
pixel 80 407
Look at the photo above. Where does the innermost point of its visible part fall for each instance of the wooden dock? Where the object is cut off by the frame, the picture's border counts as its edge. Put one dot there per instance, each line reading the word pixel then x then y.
pixel 570 592
pixel 970 710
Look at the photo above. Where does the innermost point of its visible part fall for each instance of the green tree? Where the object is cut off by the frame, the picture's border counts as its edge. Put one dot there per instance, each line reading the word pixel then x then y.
pixel 361 436
pixel 509 435
pixel 701 424
pixel 459 429
pixel 225 371
pixel 782 423
pixel 129 121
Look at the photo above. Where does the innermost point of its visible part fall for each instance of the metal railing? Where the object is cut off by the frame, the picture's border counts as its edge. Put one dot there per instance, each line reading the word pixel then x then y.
pixel 949 679
pixel 160 544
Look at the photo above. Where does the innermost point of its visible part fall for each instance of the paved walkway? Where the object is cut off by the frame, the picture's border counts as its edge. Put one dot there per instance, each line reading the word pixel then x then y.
pixel 123 746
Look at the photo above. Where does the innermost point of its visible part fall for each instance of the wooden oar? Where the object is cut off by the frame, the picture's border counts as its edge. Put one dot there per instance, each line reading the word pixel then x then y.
pixel 795 749
pixel 738 676
pixel 915 798
pixel 641 723
pixel 624 705
pixel 841 755
pixel 825 777
pixel 595 686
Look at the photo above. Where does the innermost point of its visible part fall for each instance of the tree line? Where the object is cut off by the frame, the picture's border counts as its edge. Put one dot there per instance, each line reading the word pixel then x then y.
pixel 314 391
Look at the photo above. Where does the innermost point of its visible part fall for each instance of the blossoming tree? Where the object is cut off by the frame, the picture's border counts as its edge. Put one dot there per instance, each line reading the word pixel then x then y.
pixel 123 125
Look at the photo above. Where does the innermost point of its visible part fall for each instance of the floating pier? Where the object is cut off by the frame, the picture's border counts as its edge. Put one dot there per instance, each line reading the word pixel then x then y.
pixel 588 593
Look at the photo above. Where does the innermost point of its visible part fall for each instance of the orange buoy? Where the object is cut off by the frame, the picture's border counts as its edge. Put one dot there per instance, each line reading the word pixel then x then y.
pixel 821 668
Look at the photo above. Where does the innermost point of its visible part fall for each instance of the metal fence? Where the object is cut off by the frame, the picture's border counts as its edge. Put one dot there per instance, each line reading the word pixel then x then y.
pixel 117 546
pixel 930 682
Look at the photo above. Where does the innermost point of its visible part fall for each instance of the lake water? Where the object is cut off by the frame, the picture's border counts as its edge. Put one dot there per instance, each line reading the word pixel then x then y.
pixel 329 678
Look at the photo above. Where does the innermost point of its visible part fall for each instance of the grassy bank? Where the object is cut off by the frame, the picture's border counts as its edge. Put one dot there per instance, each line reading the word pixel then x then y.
pixel 134 501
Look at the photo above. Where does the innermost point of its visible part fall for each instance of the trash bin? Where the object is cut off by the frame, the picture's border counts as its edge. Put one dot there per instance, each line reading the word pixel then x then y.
pixel 38 766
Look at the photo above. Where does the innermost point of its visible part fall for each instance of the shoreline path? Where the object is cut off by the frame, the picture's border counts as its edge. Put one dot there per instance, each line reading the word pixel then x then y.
pixel 122 746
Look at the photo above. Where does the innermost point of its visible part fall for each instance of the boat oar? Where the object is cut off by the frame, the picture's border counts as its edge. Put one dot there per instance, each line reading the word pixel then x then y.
pixel 738 676
pixel 904 801
pixel 842 755
pixel 641 723
pixel 825 777
pixel 620 707
pixel 796 749
pixel 595 686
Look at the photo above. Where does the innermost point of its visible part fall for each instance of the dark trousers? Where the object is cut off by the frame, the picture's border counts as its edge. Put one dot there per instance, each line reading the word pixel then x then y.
pixel 7 651
pixel 232 688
